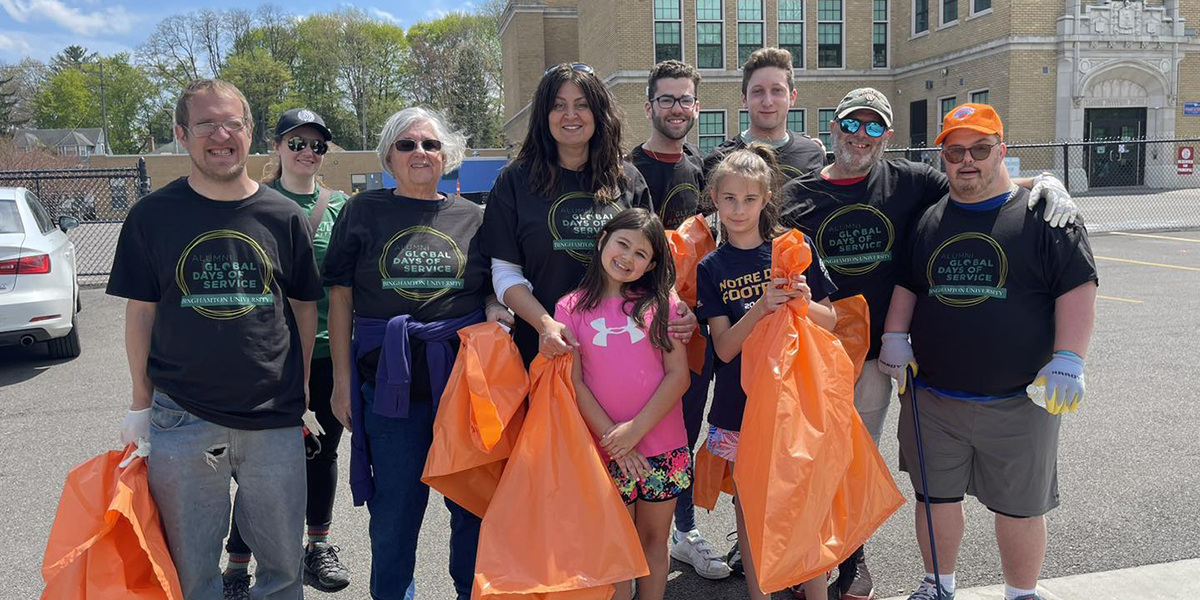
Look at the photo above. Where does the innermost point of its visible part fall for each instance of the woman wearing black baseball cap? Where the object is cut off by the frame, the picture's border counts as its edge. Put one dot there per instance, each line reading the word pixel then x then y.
pixel 300 142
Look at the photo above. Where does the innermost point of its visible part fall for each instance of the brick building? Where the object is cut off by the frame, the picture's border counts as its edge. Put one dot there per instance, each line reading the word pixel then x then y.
pixel 1055 69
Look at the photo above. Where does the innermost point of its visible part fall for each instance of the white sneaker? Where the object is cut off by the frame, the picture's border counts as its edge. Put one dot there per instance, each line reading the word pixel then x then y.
pixel 694 550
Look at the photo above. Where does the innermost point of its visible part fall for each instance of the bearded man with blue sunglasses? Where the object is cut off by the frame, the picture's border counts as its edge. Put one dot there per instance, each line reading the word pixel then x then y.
pixel 858 211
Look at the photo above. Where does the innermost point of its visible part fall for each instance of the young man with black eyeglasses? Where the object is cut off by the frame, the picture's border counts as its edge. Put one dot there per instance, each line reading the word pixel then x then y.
pixel 858 211
pixel 674 173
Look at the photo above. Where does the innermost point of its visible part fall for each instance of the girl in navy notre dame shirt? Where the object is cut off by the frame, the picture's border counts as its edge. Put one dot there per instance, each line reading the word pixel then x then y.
pixel 735 290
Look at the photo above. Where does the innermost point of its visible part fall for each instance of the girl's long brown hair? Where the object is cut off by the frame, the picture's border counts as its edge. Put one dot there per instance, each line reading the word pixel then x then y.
pixel 606 176
pixel 651 291
pixel 756 162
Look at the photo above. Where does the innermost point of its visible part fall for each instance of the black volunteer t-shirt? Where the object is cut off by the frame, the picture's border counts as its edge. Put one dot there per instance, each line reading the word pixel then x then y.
pixel 674 187
pixel 728 283
pixel 799 156
pixel 553 238
pixel 405 256
pixel 986 282
pixel 861 228
pixel 224 344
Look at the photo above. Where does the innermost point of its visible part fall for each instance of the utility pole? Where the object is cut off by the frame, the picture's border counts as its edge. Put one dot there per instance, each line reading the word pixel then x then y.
pixel 104 107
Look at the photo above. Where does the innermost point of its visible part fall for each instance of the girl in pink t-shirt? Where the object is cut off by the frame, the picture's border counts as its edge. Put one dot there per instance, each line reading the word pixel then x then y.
pixel 629 376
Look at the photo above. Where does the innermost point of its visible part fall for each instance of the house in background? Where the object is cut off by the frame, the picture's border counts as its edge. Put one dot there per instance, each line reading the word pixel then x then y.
pixel 66 142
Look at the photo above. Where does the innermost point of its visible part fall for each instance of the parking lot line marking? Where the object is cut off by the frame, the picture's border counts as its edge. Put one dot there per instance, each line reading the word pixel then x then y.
pixel 1114 298
pixel 1148 264
pixel 1157 237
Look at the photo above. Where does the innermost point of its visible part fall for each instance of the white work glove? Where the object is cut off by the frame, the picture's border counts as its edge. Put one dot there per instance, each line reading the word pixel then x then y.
pixel 310 421
pixel 895 357
pixel 1062 379
pixel 1060 208
pixel 136 425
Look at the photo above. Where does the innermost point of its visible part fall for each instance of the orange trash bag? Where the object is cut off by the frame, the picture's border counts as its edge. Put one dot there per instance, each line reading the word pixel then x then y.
pixel 713 475
pixel 107 541
pixel 555 475
pixel 853 329
pixel 809 489
pixel 691 242
pixel 478 418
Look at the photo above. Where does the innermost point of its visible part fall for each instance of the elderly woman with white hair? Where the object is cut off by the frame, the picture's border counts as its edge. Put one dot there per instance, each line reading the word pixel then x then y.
pixel 405 274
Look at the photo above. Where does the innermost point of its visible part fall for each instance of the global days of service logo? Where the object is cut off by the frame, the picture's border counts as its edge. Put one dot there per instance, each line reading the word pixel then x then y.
pixel 421 263
pixel 224 274
pixel 855 239
pixel 575 221
pixel 968 269
pixel 679 204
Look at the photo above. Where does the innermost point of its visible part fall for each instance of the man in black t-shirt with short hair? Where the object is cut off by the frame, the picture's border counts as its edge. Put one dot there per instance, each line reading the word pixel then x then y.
pixel 220 323
pixel 995 300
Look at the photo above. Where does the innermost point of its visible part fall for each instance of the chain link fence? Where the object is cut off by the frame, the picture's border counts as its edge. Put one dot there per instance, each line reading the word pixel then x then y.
pixel 99 198
pixel 1120 185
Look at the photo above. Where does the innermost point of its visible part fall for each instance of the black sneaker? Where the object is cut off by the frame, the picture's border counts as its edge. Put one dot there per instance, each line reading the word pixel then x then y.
pixel 235 586
pixel 323 570
pixel 734 559
pixel 854 580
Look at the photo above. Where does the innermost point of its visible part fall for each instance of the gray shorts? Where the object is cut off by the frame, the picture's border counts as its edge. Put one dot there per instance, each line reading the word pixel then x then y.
pixel 1005 453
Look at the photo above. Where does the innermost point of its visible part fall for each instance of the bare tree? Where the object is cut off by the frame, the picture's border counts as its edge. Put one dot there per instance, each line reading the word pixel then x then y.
pixel 173 52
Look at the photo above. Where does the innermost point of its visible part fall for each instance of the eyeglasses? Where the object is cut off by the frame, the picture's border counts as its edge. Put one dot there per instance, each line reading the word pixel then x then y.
pixel 407 145
pixel 230 125
pixel 955 154
pixel 298 144
pixel 851 126
pixel 581 67
pixel 667 101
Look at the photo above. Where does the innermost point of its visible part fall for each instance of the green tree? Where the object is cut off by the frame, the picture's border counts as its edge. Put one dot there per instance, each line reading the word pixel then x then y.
pixel 66 101
pixel 71 57
pixel 265 82
pixel 70 99
pixel 455 65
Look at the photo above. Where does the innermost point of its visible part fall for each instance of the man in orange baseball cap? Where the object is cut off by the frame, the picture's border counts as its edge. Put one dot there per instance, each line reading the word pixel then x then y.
pixel 998 303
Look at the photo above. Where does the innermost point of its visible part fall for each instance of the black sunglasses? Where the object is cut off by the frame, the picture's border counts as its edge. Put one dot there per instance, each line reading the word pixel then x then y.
pixel 298 144
pixel 956 154
pixel 407 145
pixel 850 126
pixel 581 67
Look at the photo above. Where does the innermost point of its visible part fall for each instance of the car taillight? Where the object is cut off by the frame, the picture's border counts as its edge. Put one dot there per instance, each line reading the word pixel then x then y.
pixel 26 265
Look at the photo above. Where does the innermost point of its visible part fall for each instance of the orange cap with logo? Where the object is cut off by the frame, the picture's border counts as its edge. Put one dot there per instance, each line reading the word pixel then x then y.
pixel 976 117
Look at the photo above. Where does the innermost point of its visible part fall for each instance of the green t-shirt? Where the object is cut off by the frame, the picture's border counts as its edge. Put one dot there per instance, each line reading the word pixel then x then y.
pixel 320 245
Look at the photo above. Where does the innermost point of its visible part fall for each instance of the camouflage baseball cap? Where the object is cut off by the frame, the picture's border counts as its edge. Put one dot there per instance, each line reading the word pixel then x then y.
pixel 866 99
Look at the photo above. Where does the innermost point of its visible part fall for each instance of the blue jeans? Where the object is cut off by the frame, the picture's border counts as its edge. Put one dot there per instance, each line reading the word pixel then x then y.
pixel 694 400
pixel 189 469
pixel 398 449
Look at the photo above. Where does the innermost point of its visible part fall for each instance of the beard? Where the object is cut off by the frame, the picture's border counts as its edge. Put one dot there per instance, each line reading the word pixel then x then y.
pixel 660 124
pixel 853 160
pixel 972 189
pixel 222 175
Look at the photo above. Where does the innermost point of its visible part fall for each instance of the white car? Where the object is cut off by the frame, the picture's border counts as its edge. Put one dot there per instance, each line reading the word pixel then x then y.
pixel 39 294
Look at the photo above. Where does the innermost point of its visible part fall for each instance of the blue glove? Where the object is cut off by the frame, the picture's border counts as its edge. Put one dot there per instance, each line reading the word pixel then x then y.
pixel 1060 208
pixel 1062 379
pixel 895 357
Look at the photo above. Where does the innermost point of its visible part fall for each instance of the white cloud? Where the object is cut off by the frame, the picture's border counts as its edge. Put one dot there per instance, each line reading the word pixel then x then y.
pixel 379 14
pixel 113 19
pixel 15 45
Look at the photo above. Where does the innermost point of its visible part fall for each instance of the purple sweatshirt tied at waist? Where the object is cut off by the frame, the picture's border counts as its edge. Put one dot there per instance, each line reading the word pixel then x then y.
pixel 393 378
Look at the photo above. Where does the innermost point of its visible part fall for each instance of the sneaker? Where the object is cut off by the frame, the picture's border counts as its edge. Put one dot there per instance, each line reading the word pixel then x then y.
pixel 734 559
pixel 1030 597
pixel 831 590
pixel 928 591
pixel 235 586
pixel 855 583
pixel 323 570
pixel 694 550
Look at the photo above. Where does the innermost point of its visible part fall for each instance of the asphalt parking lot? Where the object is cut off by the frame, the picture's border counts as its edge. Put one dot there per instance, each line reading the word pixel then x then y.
pixel 1129 466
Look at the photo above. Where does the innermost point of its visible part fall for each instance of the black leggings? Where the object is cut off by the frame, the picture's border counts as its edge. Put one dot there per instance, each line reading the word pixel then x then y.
pixel 322 467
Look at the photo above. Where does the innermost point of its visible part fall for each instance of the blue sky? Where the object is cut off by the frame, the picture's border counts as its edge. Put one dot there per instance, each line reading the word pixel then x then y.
pixel 40 28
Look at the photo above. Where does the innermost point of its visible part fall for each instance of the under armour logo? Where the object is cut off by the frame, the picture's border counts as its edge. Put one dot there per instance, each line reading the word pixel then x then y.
pixel 602 331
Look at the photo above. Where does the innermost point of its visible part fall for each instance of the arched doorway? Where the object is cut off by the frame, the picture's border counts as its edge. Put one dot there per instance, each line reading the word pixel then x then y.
pixel 1122 102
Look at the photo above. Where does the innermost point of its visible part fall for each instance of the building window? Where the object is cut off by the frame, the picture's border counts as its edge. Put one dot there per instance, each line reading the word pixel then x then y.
pixel 743 120
pixel 824 117
pixel 829 34
pixel 879 34
pixel 712 129
pixel 795 120
pixel 978 6
pixel 949 12
pixel 791 30
pixel 750 28
pixel 945 105
pixel 668 30
pixel 979 97
pixel 920 16
pixel 709 23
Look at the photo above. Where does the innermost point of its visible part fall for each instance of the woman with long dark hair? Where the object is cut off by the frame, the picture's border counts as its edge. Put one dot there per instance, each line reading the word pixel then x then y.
pixel 547 207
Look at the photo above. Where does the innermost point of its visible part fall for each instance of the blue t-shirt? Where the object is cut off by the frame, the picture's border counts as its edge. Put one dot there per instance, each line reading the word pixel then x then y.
pixel 728 283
